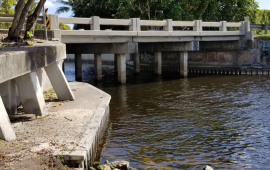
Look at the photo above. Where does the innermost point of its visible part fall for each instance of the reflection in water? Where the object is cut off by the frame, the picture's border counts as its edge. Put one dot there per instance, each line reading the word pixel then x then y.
pixel 173 123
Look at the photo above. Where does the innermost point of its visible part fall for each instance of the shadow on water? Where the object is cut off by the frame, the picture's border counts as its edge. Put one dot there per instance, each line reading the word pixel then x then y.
pixel 173 123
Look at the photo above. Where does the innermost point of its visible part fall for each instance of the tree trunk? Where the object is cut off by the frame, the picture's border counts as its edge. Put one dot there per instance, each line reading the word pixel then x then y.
pixel 32 19
pixel 15 31
pixel 24 13
pixel 18 10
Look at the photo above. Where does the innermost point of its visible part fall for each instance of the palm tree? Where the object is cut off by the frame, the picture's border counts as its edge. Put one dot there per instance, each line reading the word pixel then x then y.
pixel 68 6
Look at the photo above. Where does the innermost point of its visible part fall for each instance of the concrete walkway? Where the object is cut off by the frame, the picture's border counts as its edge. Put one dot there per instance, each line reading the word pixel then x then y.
pixel 64 129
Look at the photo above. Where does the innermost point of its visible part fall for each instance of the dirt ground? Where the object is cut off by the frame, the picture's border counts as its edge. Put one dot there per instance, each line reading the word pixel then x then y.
pixel 60 130
pixel 18 156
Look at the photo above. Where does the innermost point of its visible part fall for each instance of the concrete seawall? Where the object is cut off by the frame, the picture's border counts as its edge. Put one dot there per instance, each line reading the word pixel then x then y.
pixel 84 154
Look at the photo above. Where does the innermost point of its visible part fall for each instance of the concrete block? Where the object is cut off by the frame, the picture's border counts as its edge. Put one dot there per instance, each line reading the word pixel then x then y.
pixel 27 59
pixel 6 131
pixel 59 82
pixel 31 94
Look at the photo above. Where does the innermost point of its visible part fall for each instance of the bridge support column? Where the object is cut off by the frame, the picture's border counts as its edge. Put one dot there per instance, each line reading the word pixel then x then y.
pixel 115 63
pixel 59 82
pixel 78 67
pixel 184 63
pixel 137 62
pixel 6 130
pixel 31 94
pixel 121 68
pixel 98 67
pixel 158 63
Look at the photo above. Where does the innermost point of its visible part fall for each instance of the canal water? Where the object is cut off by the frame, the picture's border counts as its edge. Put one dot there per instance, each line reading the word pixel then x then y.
pixel 175 123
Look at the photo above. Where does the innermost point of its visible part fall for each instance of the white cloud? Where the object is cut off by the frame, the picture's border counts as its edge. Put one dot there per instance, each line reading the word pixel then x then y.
pixel 49 4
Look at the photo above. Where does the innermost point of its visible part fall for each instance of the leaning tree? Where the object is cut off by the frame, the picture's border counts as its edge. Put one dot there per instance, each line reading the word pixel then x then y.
pixel 21 11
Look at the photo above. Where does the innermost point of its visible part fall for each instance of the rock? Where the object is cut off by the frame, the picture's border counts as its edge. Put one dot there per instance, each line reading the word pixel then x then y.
pixel 208 168
pixel 106 162
pixel 104 167
pixel 123 165
pixel 116 169
pixel 91 168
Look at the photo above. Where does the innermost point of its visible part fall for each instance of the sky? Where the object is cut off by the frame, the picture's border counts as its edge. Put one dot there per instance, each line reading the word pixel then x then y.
pixel 52 6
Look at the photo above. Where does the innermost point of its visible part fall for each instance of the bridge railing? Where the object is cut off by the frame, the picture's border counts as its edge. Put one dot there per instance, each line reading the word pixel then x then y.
pixel 135 27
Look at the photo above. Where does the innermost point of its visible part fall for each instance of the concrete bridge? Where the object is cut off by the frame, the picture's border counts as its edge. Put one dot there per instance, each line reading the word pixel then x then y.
pixel 138 39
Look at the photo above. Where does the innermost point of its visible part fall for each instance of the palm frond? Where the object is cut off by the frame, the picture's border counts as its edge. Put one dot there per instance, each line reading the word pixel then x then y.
pixel 62 9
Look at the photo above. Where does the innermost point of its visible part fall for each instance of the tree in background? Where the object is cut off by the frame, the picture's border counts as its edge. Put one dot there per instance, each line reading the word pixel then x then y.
pixel 185 10
pixel 6 7
pixel 64 27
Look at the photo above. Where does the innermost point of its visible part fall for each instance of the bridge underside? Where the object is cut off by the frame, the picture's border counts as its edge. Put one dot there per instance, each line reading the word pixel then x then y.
pixel 158 46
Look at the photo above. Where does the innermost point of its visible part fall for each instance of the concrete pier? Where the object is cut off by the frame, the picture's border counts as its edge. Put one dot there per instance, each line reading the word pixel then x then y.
pixel 98 66
pixel 137 62
pixel 8 91
pixel 59 82
pixel 158 63
pixel 31 94
pixel 121 70
pixel 78 67
pixel 115 63
pixel 184 64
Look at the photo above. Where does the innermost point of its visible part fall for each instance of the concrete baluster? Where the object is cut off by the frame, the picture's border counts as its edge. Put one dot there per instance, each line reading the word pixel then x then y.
pixel 133 26
pixel 59 82
pixel 158 63
pixel 184 64
pixel 169 26
pixel 96 23
pixel 121 64
pixel 6 131
pixel 137 62
pixel 98 66
pixel 198 26
pixel 54 21
pixel 78 67
pixel 31 94
pixel 138 24
pixel 223 26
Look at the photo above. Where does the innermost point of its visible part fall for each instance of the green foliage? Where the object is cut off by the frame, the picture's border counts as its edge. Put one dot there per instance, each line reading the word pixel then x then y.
pixel 6 7
pixel 64 27
pixel 185 10
pixel 29 34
